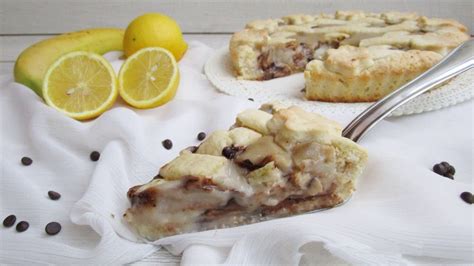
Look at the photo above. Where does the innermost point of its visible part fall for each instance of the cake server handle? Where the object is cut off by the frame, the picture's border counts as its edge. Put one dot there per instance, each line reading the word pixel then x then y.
pixel 456 62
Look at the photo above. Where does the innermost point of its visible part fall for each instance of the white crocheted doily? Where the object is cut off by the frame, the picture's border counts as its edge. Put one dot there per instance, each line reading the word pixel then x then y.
pixel 287 90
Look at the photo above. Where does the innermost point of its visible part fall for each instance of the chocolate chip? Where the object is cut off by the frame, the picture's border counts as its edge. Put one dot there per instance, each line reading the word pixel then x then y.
pixel 247 164
pixel 54 195
pixel 95 155
pixel 9 221
pixel 445 164
pixel 251 99
pixel 444 169
pixel 26 161
pixel 22 226
pixel 52 228
pixel 451 170
pixel 467 197
pixel 192 149
pixel 229 152
pixel 201 136
pixel 440 169
pixel 167 144
pixel 334 44
pixel 303 89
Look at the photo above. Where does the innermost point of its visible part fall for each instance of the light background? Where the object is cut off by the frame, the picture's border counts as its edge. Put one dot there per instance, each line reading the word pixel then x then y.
pixel 24 22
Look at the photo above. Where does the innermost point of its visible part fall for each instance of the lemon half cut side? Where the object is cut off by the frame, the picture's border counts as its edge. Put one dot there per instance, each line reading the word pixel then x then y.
pixel 149 78
pixel 81 85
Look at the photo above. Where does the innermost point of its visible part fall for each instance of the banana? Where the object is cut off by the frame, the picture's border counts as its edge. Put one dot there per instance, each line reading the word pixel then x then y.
pixel 32 64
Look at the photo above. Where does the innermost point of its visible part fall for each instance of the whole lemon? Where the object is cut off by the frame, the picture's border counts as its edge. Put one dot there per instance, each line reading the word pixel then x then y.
pixel 154 30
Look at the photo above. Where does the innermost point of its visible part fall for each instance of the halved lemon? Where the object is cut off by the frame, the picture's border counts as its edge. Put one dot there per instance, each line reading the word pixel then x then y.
pixel 149 78
pixel 82 85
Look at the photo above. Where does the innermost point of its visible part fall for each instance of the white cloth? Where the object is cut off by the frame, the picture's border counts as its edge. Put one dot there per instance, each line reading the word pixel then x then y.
pixel 402 211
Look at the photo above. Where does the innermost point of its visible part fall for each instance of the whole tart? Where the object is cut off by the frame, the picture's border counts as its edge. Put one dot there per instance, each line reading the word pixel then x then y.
pixel 273 162
pixel 351 56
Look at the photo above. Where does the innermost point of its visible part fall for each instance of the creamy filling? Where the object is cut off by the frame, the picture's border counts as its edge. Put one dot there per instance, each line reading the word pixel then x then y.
pixel 185 208
pixel 279 61
pixel 262 180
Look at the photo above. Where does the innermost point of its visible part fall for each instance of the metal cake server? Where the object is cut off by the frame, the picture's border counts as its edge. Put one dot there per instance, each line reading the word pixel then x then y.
pixel 457 61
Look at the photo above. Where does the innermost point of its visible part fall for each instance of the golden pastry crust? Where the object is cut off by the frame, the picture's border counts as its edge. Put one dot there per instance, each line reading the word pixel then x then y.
pixel 323 45
pixel 366 74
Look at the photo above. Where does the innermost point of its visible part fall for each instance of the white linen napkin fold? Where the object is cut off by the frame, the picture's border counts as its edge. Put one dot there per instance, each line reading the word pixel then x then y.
pixel 401 213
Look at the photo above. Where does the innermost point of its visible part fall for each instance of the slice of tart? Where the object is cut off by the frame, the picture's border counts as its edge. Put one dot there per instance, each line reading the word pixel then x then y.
pixel 272 163
pixel 349 56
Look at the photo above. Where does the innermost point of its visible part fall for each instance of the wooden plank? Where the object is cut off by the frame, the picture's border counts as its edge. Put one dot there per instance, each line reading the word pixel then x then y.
pixel 11 46
pixel 56 16
pixel 6 68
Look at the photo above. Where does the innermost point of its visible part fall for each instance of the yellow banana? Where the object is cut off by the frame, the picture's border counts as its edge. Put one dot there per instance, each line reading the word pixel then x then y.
pixel 32 64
